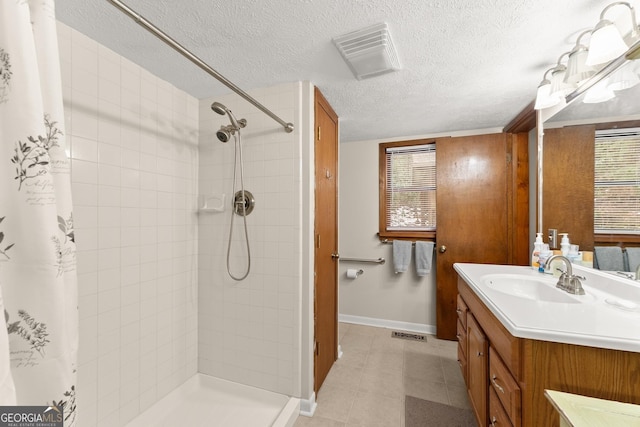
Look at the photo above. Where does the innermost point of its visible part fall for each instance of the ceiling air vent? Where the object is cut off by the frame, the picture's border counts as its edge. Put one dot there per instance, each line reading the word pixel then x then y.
pixel 368 52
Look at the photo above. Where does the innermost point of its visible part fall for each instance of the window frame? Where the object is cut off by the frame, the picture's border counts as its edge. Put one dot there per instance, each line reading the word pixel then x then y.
pixel 383 233
pixel 617 236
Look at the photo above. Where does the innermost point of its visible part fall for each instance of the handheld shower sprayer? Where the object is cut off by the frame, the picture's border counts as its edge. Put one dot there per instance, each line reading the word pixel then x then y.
pixel 225 132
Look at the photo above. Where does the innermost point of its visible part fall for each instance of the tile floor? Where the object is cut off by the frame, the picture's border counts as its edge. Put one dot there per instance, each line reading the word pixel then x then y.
pixel 367 386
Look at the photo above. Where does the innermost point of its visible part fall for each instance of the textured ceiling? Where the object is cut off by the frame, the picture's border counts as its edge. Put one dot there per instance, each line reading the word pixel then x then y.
pixel 466 64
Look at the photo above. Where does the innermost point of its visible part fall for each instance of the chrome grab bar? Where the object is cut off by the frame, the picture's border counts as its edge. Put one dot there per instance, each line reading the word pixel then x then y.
pixel 372 261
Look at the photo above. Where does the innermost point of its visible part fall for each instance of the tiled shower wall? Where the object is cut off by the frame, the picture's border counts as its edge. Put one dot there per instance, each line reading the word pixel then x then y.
pixel 133 144
pixel 250 331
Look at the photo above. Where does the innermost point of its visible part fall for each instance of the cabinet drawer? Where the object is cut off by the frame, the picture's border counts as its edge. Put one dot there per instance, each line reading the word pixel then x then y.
pixel 461 309
pixel 497 415
pixel 505 387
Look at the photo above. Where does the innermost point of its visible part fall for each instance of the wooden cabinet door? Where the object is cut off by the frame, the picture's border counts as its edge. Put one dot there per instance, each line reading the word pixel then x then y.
pixel 478 369
pixel 471 209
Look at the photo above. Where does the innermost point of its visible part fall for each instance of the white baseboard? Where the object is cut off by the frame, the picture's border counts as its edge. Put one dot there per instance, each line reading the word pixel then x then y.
pixel 308 406
pixel 389 324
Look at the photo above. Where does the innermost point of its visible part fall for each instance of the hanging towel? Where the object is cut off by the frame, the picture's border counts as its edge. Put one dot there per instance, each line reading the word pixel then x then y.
pixel 633 255
pixel 609 258
pixel 424 253
pixel 401 255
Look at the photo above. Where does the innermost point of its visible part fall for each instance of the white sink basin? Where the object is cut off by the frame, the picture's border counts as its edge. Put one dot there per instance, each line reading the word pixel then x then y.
pixel 529 288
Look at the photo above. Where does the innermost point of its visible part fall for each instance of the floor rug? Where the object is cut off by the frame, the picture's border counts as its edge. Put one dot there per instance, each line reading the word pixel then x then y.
pixel 424 413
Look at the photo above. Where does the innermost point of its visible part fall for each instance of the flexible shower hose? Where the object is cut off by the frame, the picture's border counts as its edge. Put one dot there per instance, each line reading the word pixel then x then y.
pixel 238 153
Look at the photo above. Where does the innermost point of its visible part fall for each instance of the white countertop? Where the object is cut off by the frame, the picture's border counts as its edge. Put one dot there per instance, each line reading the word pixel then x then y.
pixel 591 322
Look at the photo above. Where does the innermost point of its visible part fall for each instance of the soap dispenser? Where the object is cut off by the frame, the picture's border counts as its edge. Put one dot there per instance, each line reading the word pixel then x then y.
pixel 535 255
pixel 564 244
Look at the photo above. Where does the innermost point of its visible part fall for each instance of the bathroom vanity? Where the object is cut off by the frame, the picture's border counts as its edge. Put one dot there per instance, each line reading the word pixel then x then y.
pixel 519 335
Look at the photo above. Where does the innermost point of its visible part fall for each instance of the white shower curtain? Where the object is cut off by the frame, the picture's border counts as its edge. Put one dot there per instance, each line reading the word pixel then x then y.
pixel 37 243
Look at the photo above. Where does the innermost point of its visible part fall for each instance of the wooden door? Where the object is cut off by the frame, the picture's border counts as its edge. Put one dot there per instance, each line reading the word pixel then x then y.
pixel 471 209
pixel 326 239
pixel 568 183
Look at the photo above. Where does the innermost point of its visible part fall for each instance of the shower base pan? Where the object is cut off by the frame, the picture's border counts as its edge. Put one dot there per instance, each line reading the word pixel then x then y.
pixel 204 400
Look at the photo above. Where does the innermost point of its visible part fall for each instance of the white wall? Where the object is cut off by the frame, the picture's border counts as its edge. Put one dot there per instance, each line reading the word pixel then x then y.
pixel 379 296
pixel 251 331
pixel 133 147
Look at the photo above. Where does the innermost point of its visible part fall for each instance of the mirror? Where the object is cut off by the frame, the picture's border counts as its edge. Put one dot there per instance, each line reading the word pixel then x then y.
pixel 565 198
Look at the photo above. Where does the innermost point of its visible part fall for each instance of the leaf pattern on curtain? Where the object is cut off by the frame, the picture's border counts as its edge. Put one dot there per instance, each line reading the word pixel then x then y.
pixel 4 249
pixel 32 157
pixel 30 330
pixel 69 405
pixel 65 248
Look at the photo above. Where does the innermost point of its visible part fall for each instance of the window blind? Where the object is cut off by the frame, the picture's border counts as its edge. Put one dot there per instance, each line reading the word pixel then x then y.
pixel 411 188
pixel 617 181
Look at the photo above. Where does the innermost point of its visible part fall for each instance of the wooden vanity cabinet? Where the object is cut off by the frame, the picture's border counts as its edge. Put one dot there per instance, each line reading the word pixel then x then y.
pixel 506 384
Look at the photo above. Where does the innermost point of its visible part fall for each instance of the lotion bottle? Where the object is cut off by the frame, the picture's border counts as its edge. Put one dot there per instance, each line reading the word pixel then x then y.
pixel 564 244
pixel 535 255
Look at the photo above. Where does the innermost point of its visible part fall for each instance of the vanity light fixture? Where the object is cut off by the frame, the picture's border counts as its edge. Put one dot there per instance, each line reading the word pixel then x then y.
pixel 606 41
pixel 624 78
pixel 577 69
pixel 544 97
pixel 600 92
pixel 558 84
pixel 634 54
pixel 590 66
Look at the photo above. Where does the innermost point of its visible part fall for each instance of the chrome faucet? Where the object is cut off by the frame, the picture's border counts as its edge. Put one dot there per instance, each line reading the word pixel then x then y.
pixel 567 281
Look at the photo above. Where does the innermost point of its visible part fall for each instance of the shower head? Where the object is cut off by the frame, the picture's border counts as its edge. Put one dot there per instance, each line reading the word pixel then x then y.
pixel 219 108
pixel 224 134
pixel 222 110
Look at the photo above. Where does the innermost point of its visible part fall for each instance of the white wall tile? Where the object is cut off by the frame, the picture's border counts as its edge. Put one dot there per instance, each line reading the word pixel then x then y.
pixel 257 314
pixel 113 119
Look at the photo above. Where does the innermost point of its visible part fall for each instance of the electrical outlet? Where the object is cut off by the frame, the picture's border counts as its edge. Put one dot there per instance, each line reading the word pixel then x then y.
pixel 553 238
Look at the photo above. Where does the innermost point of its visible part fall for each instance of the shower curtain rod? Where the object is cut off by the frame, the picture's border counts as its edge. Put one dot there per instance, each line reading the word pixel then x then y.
pixel 288 127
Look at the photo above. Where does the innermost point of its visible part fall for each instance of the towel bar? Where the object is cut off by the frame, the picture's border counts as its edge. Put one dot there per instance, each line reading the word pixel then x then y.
pixel 373 261
pixel 386 241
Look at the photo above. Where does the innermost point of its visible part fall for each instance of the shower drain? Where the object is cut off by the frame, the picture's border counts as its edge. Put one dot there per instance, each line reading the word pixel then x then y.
pixel 408 336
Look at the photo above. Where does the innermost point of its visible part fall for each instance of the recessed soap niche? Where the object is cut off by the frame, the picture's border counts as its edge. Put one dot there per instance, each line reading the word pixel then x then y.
pixel 211 202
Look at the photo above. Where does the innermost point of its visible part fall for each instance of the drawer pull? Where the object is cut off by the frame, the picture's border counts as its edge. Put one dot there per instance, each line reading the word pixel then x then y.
pixel 460 362
pixel 496 385
pixel 480 354
pixel 458 337
pixel 459 311
pixel 494 421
